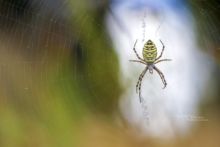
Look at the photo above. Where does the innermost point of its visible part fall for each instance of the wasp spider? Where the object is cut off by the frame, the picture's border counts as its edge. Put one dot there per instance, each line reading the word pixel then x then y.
pixel 149 59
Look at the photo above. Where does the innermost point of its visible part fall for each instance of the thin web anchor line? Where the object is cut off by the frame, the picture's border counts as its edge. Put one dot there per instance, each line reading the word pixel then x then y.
pixel 144 25
pixel 145 111
pixel 158 28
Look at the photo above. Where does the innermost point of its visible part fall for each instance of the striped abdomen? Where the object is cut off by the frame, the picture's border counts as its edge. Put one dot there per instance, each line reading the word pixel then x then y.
pixel 149 52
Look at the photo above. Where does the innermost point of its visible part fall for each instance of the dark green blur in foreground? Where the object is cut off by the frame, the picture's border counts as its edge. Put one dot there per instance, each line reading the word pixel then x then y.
pixel 56 74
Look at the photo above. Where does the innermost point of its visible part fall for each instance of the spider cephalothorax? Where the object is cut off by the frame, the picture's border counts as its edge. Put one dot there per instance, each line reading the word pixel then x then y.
pixel 149 59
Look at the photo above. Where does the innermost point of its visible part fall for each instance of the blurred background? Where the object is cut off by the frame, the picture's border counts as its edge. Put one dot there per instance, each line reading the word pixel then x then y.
pixel 66 79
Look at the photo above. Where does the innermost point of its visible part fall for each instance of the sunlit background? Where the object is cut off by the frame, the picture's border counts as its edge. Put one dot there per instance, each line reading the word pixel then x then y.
pixel 66 79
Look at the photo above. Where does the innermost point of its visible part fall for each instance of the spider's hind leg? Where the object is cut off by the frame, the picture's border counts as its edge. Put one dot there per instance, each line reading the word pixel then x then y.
pixel 161 76
pixel 138 85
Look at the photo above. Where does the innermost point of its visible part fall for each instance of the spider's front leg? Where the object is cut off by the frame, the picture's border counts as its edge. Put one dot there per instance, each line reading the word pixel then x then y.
pixel 161 51
pixel 161 76
pixel 138 85
pixel 158 61
pixel 139 61
pixel 136 51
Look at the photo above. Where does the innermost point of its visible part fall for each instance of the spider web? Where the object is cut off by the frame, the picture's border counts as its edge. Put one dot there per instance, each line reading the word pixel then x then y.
pixel 44 29
pixel 57 67
pixel 54 60
pixel 37 36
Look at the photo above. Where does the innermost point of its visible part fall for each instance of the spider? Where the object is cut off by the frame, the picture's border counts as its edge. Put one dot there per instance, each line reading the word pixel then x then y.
pixel 149 59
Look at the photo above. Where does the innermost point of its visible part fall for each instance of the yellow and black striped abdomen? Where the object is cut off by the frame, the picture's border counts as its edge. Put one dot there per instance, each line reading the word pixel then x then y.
pixel 149 52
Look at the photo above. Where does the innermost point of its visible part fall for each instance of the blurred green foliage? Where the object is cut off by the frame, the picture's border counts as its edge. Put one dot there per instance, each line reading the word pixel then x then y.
pixel 207 23
pixel 55 75
pixel 99 68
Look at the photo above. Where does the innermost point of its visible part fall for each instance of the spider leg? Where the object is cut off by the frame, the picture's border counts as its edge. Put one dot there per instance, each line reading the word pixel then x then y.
pixel 138 61
pixel 162 60
pixel 136 51
pixel 161 76
pixel 140 79
pixel 161 51
pixel 138 85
